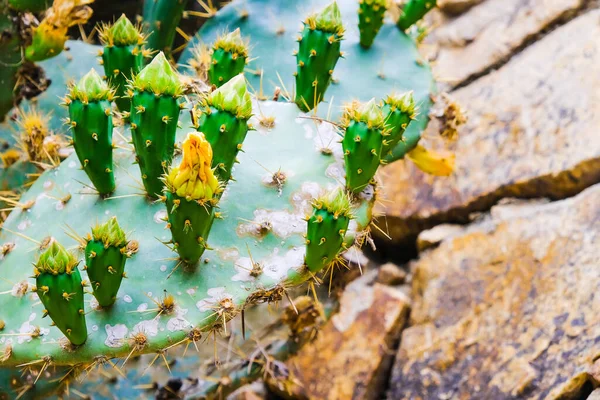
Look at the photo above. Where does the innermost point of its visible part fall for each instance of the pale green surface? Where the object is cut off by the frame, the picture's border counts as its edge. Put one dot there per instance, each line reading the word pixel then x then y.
pixel 393 54
pixel 289 146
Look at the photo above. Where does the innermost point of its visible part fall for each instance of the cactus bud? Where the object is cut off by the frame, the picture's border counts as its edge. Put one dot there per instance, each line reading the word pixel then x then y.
pixel 224 122
pixel 370 20
pixel 413 11
pixel 363 140
pixel 399 111
pixel 105 260
pixel 228 58
pixel 326 229
pixel 156 90
pixel 191 191
pixel 319 51
pixel 92 129
pixel 60 291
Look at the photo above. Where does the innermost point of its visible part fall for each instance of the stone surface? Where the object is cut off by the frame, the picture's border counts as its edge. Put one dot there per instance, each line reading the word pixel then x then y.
pixel 595 395
pixel 391 274
pixel 350 357
pixel 432 237
pixel 532 131
pixel 456 6
pixel 488 34
pixel 508 309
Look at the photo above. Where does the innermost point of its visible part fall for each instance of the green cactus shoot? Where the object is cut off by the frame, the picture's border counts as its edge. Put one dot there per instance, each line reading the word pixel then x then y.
pixel 370 20
pixel 229 56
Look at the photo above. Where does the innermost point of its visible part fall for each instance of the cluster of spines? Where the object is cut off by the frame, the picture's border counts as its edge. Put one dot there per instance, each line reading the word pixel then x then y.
pixel 326 229
pixel 223 118
pixel 90 116
pixel 155 107
pixel 105 256
pixel 370 20
pixel 317 55
pixel 399 111
pixel 60 289
pixel 413 11
pixel 365 131
pixel 192 192
pixel 122 56
pixel 229 55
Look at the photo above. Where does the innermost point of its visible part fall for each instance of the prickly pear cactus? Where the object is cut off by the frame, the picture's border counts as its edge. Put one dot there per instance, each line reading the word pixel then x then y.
pixel 279 30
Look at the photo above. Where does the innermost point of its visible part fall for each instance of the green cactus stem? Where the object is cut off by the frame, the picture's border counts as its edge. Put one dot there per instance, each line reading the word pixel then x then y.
pixel 105 257
pixel 122 56
pixel 60 289
pixel 413 11
pixel 191 192
pixel 90 116
pixel 363 140
pixel 161 18
pixel 228 58
pixel 223 118
pixel 326 229
pixel 399 111
pixel 370 20
pixel 10 59
pixel 318 53
pixel 34 6
pixel 154 116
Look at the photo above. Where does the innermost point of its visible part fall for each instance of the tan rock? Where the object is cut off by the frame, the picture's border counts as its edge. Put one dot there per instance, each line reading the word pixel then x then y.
pixel 595 395
pixel 456 6
pixel 532 131
pixel 488 34
pixel 391 274
pixel 432 237
pixel 508 309
pixel 350 356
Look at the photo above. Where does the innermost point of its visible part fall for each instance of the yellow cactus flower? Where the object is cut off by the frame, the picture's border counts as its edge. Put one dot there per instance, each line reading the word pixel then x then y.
pixel 431 162
pixel 194 178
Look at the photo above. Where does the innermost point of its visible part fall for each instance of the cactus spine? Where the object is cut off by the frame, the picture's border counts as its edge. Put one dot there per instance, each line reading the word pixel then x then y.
pixel 60 289
pixel 122 56
pixel 413 11
pixel 228 58
pixel 370 20
pixel 223 118
pixel 105 257
pixel 90 115
pixel 399 111
pixel 363 140
pixel 326 229
pixel 318 53
pixel 154 116
pixel 192 192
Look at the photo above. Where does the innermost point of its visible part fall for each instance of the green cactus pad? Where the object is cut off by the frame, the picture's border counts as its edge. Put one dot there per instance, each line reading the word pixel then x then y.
pixel 34 6
pixel 413 11
pixel 10 59
pixel 90 116
pixel 365 131
pixel 327 228
pixel 223 119
pixel 370 20
pixel 105 257
pixel 228 58
pixel 59 288
pixel 122 56
pixel 262 223
pixel 161 18
pixel 399 111
pixel 155 110
pixel 391 64
pixel 318 53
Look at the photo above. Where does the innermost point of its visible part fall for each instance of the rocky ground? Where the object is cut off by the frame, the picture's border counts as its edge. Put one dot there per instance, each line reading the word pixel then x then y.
pixel 502 300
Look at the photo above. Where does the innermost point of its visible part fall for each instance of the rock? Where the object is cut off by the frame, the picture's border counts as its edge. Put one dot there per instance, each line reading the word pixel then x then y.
pixel 455 7
pixel 351 355
pixel 488 34
pixel 432 237
pixel 254 391
pixel 390 274
pixel 508 309
pixel 531 132
pixel 595 395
